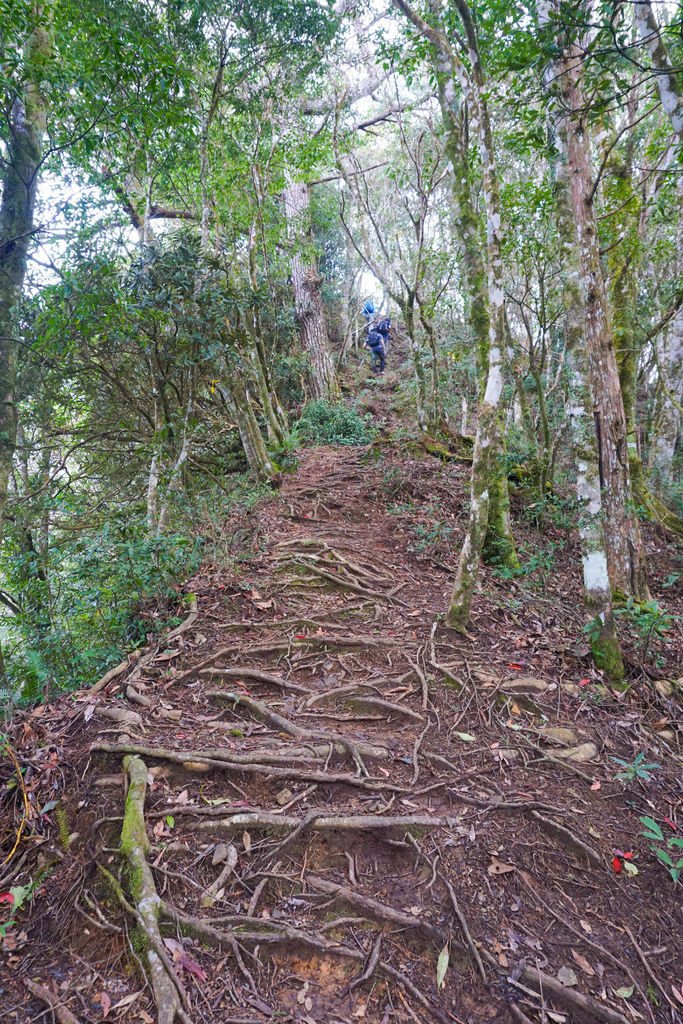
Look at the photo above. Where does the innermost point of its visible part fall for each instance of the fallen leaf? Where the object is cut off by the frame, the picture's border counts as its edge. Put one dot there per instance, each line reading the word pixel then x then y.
pixel 499 867
pixel 246 841
pixel 220 854
pixel 625 992
pixel 105 1003
pixel 192 967
pixel 89 712
pixel 158 829
pixel 466 737
pixel 616 865
pixel 586 927
pixel 596 786
pixel 127 1000
pixel 567 977
pixel 583 964
pixel 442 967
pixel 630 868
pixel 678 993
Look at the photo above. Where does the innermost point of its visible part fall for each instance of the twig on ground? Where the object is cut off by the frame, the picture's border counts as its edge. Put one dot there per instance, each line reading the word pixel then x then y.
pixel 650 973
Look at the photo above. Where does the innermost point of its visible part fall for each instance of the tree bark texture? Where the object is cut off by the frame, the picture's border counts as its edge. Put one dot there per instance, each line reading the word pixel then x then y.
pixel 596 582
pixel 670 91
pixel 308 301
pixel 28 120
pixel 625 556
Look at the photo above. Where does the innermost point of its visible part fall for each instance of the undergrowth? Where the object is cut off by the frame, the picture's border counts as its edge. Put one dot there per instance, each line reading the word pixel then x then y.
pixel 325 422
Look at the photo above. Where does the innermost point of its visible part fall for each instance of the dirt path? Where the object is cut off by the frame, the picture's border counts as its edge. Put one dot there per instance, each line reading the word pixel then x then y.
pixel 341 810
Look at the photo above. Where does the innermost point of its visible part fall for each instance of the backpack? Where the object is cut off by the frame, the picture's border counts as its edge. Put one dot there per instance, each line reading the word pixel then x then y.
pixel 375 341
pixel 384 326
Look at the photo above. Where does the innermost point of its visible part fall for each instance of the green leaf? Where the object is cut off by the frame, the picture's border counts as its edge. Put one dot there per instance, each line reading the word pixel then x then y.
pixel 675 841
pixel 630 868
pixel 170 820
pixel 442 967
pixel 652 825
pixel 466 737
pixel 20 892
pixel 625 992
pixel 664 857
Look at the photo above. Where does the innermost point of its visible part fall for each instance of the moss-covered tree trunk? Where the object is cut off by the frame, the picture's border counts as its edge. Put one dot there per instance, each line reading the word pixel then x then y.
pixel 308 301
pixel 625 556
pixel 237 396
pixel 27 122
pixel 597 590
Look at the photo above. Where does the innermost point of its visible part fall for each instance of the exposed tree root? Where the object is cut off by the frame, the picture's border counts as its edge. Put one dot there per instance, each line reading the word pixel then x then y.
pixel 570 999
pixel 291 938
pixel 568 839
pixel 62 1013
pixel 357 749
pixel 257 675
pixel 378 911
pixel 168 995
pixel 136 657
pixel 273 766
pixel 271 822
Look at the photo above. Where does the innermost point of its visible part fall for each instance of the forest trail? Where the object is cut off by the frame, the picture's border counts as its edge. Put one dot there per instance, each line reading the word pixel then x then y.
pixel 350 812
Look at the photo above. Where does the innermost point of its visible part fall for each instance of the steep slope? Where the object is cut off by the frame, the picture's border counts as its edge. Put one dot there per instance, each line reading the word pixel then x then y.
pixel 315 803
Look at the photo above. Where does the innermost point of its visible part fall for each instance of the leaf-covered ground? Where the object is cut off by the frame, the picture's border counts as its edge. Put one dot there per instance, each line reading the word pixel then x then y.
pixel 352 813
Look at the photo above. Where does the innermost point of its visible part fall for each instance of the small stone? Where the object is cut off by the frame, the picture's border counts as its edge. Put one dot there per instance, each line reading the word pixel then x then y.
pixel 284 796
pixel 556 734
pixel 525 684
pixel 506 754
pixel 584 752
pixel 664 688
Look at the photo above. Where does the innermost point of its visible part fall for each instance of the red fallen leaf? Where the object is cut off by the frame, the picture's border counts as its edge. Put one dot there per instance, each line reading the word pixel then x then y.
pixel 584 682
pixel 671 824
pixel 300 636
pixel 192 967
pixel 616 864
pixel 105 1003
pixel 516 665
pixel 628 856
pixel 7 897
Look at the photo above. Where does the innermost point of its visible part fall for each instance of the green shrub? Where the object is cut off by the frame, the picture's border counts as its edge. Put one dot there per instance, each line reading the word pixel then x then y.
pixel 326 423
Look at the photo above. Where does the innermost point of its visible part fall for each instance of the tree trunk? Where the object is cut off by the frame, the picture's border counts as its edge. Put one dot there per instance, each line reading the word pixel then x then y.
pixel 307 294
pixel 250 433
pixel 28 120
pixel 601 629
pixel 670 91
pixel 669 420
pixel 625 557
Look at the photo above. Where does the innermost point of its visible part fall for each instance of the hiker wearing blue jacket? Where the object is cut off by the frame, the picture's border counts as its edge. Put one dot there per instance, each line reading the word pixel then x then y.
pixel 375 342
pixel 369 310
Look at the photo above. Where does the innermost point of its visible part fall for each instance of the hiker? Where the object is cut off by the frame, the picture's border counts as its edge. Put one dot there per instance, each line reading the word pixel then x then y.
pixel 375 342
pixel 368 310
pixel 384 328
